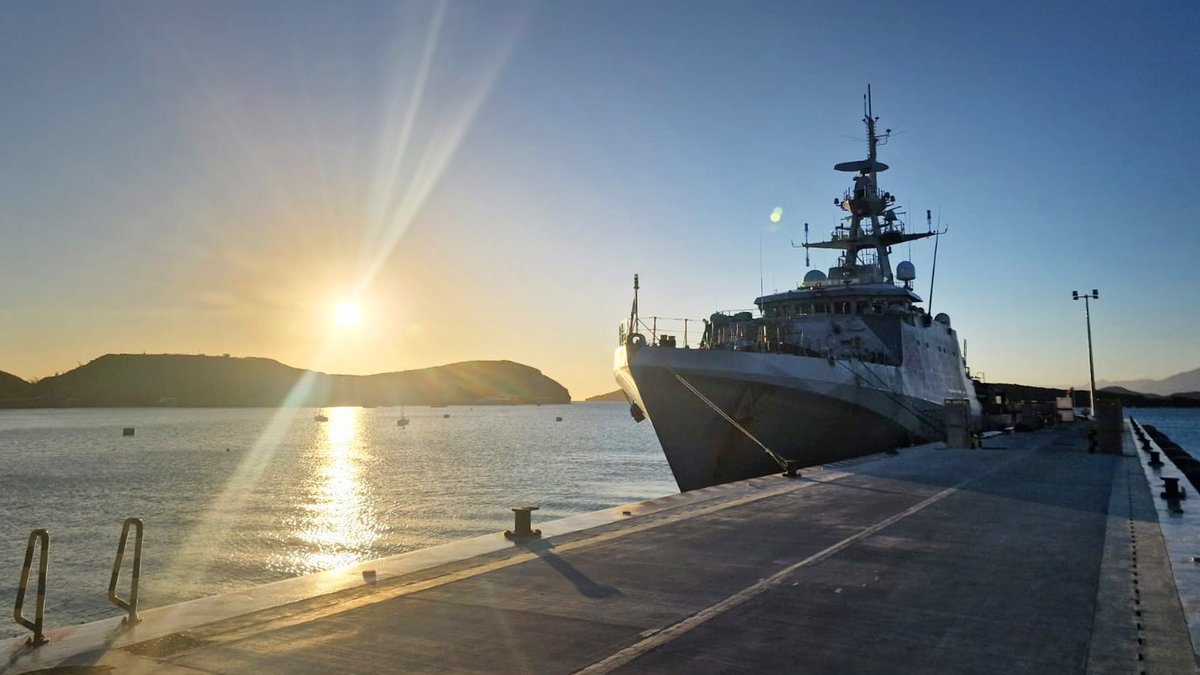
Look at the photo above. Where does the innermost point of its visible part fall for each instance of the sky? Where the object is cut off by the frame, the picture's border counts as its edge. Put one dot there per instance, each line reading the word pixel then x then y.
pixel 484 179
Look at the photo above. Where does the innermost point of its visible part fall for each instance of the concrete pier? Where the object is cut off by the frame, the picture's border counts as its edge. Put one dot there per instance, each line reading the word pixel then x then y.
pixel 1028 555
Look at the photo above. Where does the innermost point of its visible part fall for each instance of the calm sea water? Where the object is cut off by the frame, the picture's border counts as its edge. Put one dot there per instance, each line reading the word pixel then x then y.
pixel 1181 425
pixel 237 497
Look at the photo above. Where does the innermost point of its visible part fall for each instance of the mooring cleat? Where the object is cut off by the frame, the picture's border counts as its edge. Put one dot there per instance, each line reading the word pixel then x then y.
pixel 1172 492
pixel 522 519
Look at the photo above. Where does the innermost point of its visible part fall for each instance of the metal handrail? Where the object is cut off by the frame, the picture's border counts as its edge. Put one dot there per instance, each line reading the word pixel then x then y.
pixel 38 638
pixel 129 605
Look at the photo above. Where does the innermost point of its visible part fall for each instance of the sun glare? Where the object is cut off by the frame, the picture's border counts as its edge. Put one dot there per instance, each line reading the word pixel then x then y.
pixel 346 314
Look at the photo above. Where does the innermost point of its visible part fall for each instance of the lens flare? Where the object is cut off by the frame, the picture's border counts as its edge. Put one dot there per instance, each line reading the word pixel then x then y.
pixel 777 214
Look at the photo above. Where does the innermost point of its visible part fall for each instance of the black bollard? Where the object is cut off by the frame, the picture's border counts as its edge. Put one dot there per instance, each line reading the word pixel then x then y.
pixel 521 526
pixel 1172 489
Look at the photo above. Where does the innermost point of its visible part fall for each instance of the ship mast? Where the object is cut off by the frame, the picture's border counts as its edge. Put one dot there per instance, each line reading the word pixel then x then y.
pixel 881 250
pixel 867 205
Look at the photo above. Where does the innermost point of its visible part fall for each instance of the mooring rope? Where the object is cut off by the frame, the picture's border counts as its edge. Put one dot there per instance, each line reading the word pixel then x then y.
pixel 783 463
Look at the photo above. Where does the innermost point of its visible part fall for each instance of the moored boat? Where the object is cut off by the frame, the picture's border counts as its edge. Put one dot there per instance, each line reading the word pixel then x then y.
pixel 846 364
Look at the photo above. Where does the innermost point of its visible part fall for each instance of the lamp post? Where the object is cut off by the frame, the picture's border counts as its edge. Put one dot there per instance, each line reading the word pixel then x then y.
pixel 1087 313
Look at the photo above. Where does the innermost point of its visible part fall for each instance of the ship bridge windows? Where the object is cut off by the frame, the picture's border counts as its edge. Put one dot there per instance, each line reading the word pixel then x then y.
pixel 849 306
pixel 781 310
pixel 861 306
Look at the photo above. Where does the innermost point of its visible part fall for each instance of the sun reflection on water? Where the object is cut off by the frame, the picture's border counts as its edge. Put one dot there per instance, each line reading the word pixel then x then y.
pixel 339 522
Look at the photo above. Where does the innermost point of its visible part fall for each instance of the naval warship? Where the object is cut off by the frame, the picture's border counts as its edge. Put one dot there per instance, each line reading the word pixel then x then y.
pixel 846 364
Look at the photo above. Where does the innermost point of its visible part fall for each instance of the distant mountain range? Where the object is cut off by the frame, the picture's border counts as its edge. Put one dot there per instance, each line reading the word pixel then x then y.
pixel 1176 384
pixel 119 380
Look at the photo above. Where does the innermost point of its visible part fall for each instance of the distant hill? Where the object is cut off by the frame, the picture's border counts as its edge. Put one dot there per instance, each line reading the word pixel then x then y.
pixel 1180 382
pixel 617 395
pixel 117 380
pixel 1129 399
pixel 1122 391
pixel 14 390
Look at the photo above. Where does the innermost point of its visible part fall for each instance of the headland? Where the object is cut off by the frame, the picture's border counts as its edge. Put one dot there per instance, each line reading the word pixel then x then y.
pixel 143 380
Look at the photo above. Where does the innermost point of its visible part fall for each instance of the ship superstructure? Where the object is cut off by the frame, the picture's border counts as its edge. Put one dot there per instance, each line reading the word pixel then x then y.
pixel 846 364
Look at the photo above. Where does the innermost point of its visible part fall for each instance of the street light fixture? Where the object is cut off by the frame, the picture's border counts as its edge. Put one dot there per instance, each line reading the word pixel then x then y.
pixel 1087 313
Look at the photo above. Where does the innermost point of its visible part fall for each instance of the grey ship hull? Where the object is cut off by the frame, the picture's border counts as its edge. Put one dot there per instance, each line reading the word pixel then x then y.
pixel 809 410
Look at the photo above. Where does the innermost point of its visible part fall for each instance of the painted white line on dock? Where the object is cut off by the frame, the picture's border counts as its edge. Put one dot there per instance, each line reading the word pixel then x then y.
pixel 713 611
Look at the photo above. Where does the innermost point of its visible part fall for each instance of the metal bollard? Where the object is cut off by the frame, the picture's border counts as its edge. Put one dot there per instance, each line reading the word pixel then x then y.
pixel 1172 491
pixel 36 625
pixel 129 605
pixel 522 520
pixel 1154 460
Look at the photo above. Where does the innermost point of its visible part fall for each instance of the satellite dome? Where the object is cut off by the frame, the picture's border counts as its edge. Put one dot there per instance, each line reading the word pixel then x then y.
pixel 943 318
pixel 814 277
pixel 905 271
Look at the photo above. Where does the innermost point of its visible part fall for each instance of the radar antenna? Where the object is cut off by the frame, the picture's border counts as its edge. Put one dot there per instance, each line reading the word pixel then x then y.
pixel 872 222
pixel 804 246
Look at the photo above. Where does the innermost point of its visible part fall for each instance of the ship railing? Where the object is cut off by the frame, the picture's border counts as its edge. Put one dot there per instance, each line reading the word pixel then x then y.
pixel 853 193
pixel 839 233
pixel 665 331
pixel 745 332
pixel 843 232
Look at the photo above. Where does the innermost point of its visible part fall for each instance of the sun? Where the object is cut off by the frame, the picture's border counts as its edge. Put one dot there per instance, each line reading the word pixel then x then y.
pixel 346 313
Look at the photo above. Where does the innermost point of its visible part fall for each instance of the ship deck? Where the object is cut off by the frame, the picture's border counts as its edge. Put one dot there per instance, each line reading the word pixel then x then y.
pixel 1028 555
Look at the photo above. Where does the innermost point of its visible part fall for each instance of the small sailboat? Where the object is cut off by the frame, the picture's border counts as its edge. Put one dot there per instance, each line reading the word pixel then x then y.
pixel 403 421
pixel 320 416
